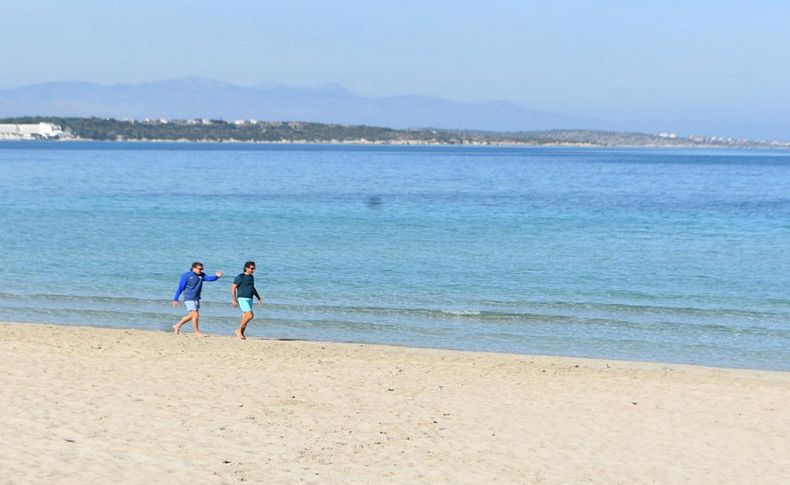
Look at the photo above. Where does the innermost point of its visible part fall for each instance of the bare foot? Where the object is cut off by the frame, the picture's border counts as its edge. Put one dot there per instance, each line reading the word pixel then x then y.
pixel 198 334
pixel 176 328
pixel 239 334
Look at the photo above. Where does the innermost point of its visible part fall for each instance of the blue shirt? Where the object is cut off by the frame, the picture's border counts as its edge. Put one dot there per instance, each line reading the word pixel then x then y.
pixel 191 284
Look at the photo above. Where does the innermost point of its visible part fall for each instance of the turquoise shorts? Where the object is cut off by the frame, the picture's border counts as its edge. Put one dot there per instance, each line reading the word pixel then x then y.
pixel 245 304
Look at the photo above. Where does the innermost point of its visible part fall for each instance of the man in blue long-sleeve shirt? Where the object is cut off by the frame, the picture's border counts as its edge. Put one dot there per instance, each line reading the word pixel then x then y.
pixel 191 284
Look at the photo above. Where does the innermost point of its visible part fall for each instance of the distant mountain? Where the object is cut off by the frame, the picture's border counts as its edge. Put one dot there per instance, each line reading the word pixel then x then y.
pixel 204 98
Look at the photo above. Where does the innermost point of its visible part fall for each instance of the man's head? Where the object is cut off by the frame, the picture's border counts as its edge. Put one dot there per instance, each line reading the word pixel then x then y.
pixel 249 267
pixel 197 267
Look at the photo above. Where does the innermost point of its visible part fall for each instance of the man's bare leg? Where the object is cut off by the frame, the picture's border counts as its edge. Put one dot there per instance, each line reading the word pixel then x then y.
pixel 249 319
pixel 180 323
pixel 196 323
pixel 246 318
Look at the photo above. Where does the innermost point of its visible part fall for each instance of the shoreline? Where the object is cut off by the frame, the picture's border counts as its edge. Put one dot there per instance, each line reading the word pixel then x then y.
pixel 187 331
pixel 415 143
pixel 89 404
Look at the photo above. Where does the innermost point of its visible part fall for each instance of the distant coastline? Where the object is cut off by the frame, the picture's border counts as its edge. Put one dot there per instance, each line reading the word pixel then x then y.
pixel 291 132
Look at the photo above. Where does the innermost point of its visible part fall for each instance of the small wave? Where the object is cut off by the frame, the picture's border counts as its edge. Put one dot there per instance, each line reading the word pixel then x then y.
pixel 462 313
pixel 558 307
pixel 688 320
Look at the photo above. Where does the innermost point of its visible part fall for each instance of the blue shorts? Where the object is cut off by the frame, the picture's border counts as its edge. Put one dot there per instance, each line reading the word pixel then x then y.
pixel 192 305
pixel 245 304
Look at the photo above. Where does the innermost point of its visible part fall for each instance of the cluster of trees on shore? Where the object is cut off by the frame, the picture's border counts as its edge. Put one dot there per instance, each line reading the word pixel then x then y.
pixel 108 129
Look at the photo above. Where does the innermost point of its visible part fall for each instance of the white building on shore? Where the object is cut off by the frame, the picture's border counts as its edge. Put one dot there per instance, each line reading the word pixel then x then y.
pixel 35 131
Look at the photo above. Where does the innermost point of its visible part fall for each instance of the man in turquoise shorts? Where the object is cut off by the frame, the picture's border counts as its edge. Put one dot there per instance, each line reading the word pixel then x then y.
pixel 242 290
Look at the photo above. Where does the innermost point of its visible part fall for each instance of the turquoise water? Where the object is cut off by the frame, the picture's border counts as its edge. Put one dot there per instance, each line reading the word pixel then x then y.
pixel 640 254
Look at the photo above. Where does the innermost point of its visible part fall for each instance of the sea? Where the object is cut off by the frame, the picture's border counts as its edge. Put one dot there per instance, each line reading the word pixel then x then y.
pixel 643 254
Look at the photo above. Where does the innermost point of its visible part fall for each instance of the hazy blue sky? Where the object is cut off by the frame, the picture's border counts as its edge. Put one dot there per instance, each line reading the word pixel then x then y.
pixel 718 67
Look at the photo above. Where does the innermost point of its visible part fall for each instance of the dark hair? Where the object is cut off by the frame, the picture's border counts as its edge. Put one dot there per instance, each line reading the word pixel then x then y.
pixel 197 263
pixel 249 264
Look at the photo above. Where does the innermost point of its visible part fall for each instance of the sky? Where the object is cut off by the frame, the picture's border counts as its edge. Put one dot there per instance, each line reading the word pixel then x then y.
pixel 713 67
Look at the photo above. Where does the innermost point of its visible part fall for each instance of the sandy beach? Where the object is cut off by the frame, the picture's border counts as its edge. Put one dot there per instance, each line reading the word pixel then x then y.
pixel 88 405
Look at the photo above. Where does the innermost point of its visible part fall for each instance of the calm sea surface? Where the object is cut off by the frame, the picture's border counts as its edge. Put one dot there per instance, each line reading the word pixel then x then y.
pixel 661 255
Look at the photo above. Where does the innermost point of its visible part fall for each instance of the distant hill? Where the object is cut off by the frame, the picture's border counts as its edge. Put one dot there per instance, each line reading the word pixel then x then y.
pixel 216 130
pixel 205 98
